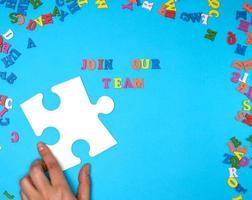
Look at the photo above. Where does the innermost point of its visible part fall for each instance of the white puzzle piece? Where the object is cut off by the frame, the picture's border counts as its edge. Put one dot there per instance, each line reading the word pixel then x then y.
pixel 75 119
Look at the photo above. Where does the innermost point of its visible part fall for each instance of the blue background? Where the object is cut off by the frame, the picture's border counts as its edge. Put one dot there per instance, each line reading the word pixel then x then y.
pixel 171 135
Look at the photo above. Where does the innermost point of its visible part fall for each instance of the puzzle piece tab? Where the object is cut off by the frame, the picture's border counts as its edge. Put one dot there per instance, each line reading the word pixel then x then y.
pixel 75 119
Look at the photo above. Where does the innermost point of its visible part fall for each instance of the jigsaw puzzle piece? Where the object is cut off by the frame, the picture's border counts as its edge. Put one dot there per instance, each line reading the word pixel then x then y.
pixel 75 119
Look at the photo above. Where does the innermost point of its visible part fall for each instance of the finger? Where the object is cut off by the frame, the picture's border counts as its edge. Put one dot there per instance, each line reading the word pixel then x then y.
pixel 54 169
pixel 23 196
pixel 38 177
pixel 28 188
pixel 84 183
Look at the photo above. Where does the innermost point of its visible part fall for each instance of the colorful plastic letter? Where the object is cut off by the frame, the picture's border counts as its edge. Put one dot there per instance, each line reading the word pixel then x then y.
pixel 31 44
pixel 211 34
pixel 232 172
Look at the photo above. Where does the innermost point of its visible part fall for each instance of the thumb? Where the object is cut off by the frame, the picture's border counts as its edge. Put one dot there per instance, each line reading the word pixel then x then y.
pixel 84 183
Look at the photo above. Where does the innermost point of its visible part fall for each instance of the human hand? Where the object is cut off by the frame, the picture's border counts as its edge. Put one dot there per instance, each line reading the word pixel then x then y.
pixel 36 186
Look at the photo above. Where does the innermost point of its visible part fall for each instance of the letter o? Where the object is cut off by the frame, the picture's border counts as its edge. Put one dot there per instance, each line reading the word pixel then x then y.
pixel 136 64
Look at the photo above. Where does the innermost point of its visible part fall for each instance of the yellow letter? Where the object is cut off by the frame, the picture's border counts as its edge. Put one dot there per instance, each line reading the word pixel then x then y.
pixel 117 82
pixel 237 198
pixel 147 63
pixel 170 5
pixel 232 182
pixel 81 2
pixel 246 104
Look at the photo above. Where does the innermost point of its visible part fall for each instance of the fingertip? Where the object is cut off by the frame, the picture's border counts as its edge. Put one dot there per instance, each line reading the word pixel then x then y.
pixel 84 172
pixel 84 183
pixel 41 146
pixel 86 169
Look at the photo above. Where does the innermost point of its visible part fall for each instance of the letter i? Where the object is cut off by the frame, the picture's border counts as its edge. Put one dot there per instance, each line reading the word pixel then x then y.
pixel 5 110
pixel 249 93
pixel 244 78
pixel 100 64
pixel 84 66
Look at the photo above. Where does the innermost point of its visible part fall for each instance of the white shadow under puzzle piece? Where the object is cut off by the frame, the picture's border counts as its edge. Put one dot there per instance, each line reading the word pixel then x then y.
pixel 75 119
